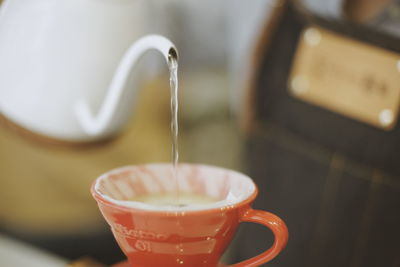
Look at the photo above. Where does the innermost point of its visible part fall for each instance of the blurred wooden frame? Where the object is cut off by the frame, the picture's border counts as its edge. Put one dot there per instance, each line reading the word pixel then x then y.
pixel 361 11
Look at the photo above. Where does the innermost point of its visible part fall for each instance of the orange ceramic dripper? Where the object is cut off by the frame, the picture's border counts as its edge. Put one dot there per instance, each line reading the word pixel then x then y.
pixel 193 235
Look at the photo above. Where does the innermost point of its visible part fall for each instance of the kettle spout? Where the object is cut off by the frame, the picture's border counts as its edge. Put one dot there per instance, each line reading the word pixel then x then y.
pixel 96 125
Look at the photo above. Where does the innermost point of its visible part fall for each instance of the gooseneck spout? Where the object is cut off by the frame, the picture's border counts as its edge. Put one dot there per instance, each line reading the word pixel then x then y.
pixel 95 125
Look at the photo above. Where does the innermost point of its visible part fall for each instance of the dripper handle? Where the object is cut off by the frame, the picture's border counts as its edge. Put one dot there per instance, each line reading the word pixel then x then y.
pixel 278 228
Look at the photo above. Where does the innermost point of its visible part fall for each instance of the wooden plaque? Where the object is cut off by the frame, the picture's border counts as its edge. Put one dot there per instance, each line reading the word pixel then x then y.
pixel 352 78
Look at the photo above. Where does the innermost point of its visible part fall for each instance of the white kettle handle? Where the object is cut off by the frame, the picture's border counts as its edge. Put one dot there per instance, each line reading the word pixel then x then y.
pixel 95 125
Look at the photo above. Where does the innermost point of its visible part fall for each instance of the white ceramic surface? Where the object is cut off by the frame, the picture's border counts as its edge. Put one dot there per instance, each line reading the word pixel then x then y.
pixel 57 61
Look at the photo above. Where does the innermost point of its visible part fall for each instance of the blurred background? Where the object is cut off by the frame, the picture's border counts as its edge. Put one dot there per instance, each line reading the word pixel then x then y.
pixel 284 91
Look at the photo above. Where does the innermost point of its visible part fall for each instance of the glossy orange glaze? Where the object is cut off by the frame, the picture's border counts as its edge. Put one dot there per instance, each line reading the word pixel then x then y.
pixel 186 238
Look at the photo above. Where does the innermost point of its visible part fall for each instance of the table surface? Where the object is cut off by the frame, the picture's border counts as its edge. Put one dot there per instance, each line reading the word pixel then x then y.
pixel 17 254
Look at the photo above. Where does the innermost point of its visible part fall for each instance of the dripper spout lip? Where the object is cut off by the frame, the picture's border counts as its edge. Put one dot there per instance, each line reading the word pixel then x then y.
pixel 172 58
pixel 172 55
pixel 162 44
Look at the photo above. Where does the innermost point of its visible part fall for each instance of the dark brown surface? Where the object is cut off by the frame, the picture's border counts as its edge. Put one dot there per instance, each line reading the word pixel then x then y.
pixel 339 212
pixel 335 181
pixel 355 139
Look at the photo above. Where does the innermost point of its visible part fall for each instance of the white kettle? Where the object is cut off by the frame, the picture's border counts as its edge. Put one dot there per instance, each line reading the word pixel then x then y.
pixel 64 64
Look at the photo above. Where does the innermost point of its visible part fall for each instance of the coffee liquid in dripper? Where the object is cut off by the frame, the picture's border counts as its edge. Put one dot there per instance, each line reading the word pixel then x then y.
pixel 169 199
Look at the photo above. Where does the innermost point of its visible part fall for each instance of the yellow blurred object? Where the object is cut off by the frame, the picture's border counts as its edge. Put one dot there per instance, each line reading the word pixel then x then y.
pixel 86 262
pixel 44 189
